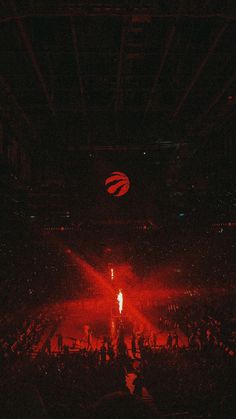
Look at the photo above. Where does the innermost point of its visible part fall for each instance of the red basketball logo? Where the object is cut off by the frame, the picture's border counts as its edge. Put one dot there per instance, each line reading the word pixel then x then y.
pixel 117 184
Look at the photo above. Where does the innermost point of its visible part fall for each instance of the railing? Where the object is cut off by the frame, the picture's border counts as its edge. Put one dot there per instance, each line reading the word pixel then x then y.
pixel 151 8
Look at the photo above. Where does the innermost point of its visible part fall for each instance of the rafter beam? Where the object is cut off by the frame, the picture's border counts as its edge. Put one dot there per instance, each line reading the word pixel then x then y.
pixel 5 86
pixel 77 58
pixel 168 43
pixel 205 135
pixel 130 148
pixel 12 121
pixel 118 12
pixel 222 119
pixel 30 50
pixel 120 69
pixel 218 96
pixel 199 70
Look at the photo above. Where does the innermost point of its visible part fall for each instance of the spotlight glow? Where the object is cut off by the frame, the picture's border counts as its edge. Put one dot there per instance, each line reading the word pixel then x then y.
pixel 120 301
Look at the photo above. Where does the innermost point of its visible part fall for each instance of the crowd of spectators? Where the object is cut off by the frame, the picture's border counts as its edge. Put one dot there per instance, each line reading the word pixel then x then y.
pixel 192 381
pixel 197 378
pixel 191 378
pixel 22 336
pixel 209 322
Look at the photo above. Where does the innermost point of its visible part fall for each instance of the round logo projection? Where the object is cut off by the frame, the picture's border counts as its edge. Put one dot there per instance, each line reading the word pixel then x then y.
pixel 117 184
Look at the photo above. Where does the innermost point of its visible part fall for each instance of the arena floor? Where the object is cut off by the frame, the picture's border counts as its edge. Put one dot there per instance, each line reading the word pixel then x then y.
pixel 78 316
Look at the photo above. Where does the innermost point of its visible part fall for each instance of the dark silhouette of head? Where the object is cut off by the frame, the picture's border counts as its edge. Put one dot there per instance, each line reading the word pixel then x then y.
pixel 121 405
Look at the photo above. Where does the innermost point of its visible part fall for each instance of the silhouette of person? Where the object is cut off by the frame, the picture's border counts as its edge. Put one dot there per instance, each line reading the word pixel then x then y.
pixel 133 345
pixel 175 341
pixel 169 341
pixel 103 353
pixel 48 346
pixel 89 339
pixel 138 385
pixel 59 342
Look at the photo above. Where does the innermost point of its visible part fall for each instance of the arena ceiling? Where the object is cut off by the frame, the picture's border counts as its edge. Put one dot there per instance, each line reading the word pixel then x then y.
pixel 79 74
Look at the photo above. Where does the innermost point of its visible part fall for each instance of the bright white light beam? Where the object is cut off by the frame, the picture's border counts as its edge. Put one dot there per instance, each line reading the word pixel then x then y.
pixel 120 301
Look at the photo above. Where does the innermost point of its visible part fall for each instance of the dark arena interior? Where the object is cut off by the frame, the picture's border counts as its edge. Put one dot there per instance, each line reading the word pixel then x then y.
pixel 117 200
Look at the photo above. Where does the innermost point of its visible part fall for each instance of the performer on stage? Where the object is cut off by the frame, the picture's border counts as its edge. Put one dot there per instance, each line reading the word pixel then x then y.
pixel 59 342
pixel 89 339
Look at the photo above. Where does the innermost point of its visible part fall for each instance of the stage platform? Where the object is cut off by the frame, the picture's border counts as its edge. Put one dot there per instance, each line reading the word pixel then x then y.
pixel 76 319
